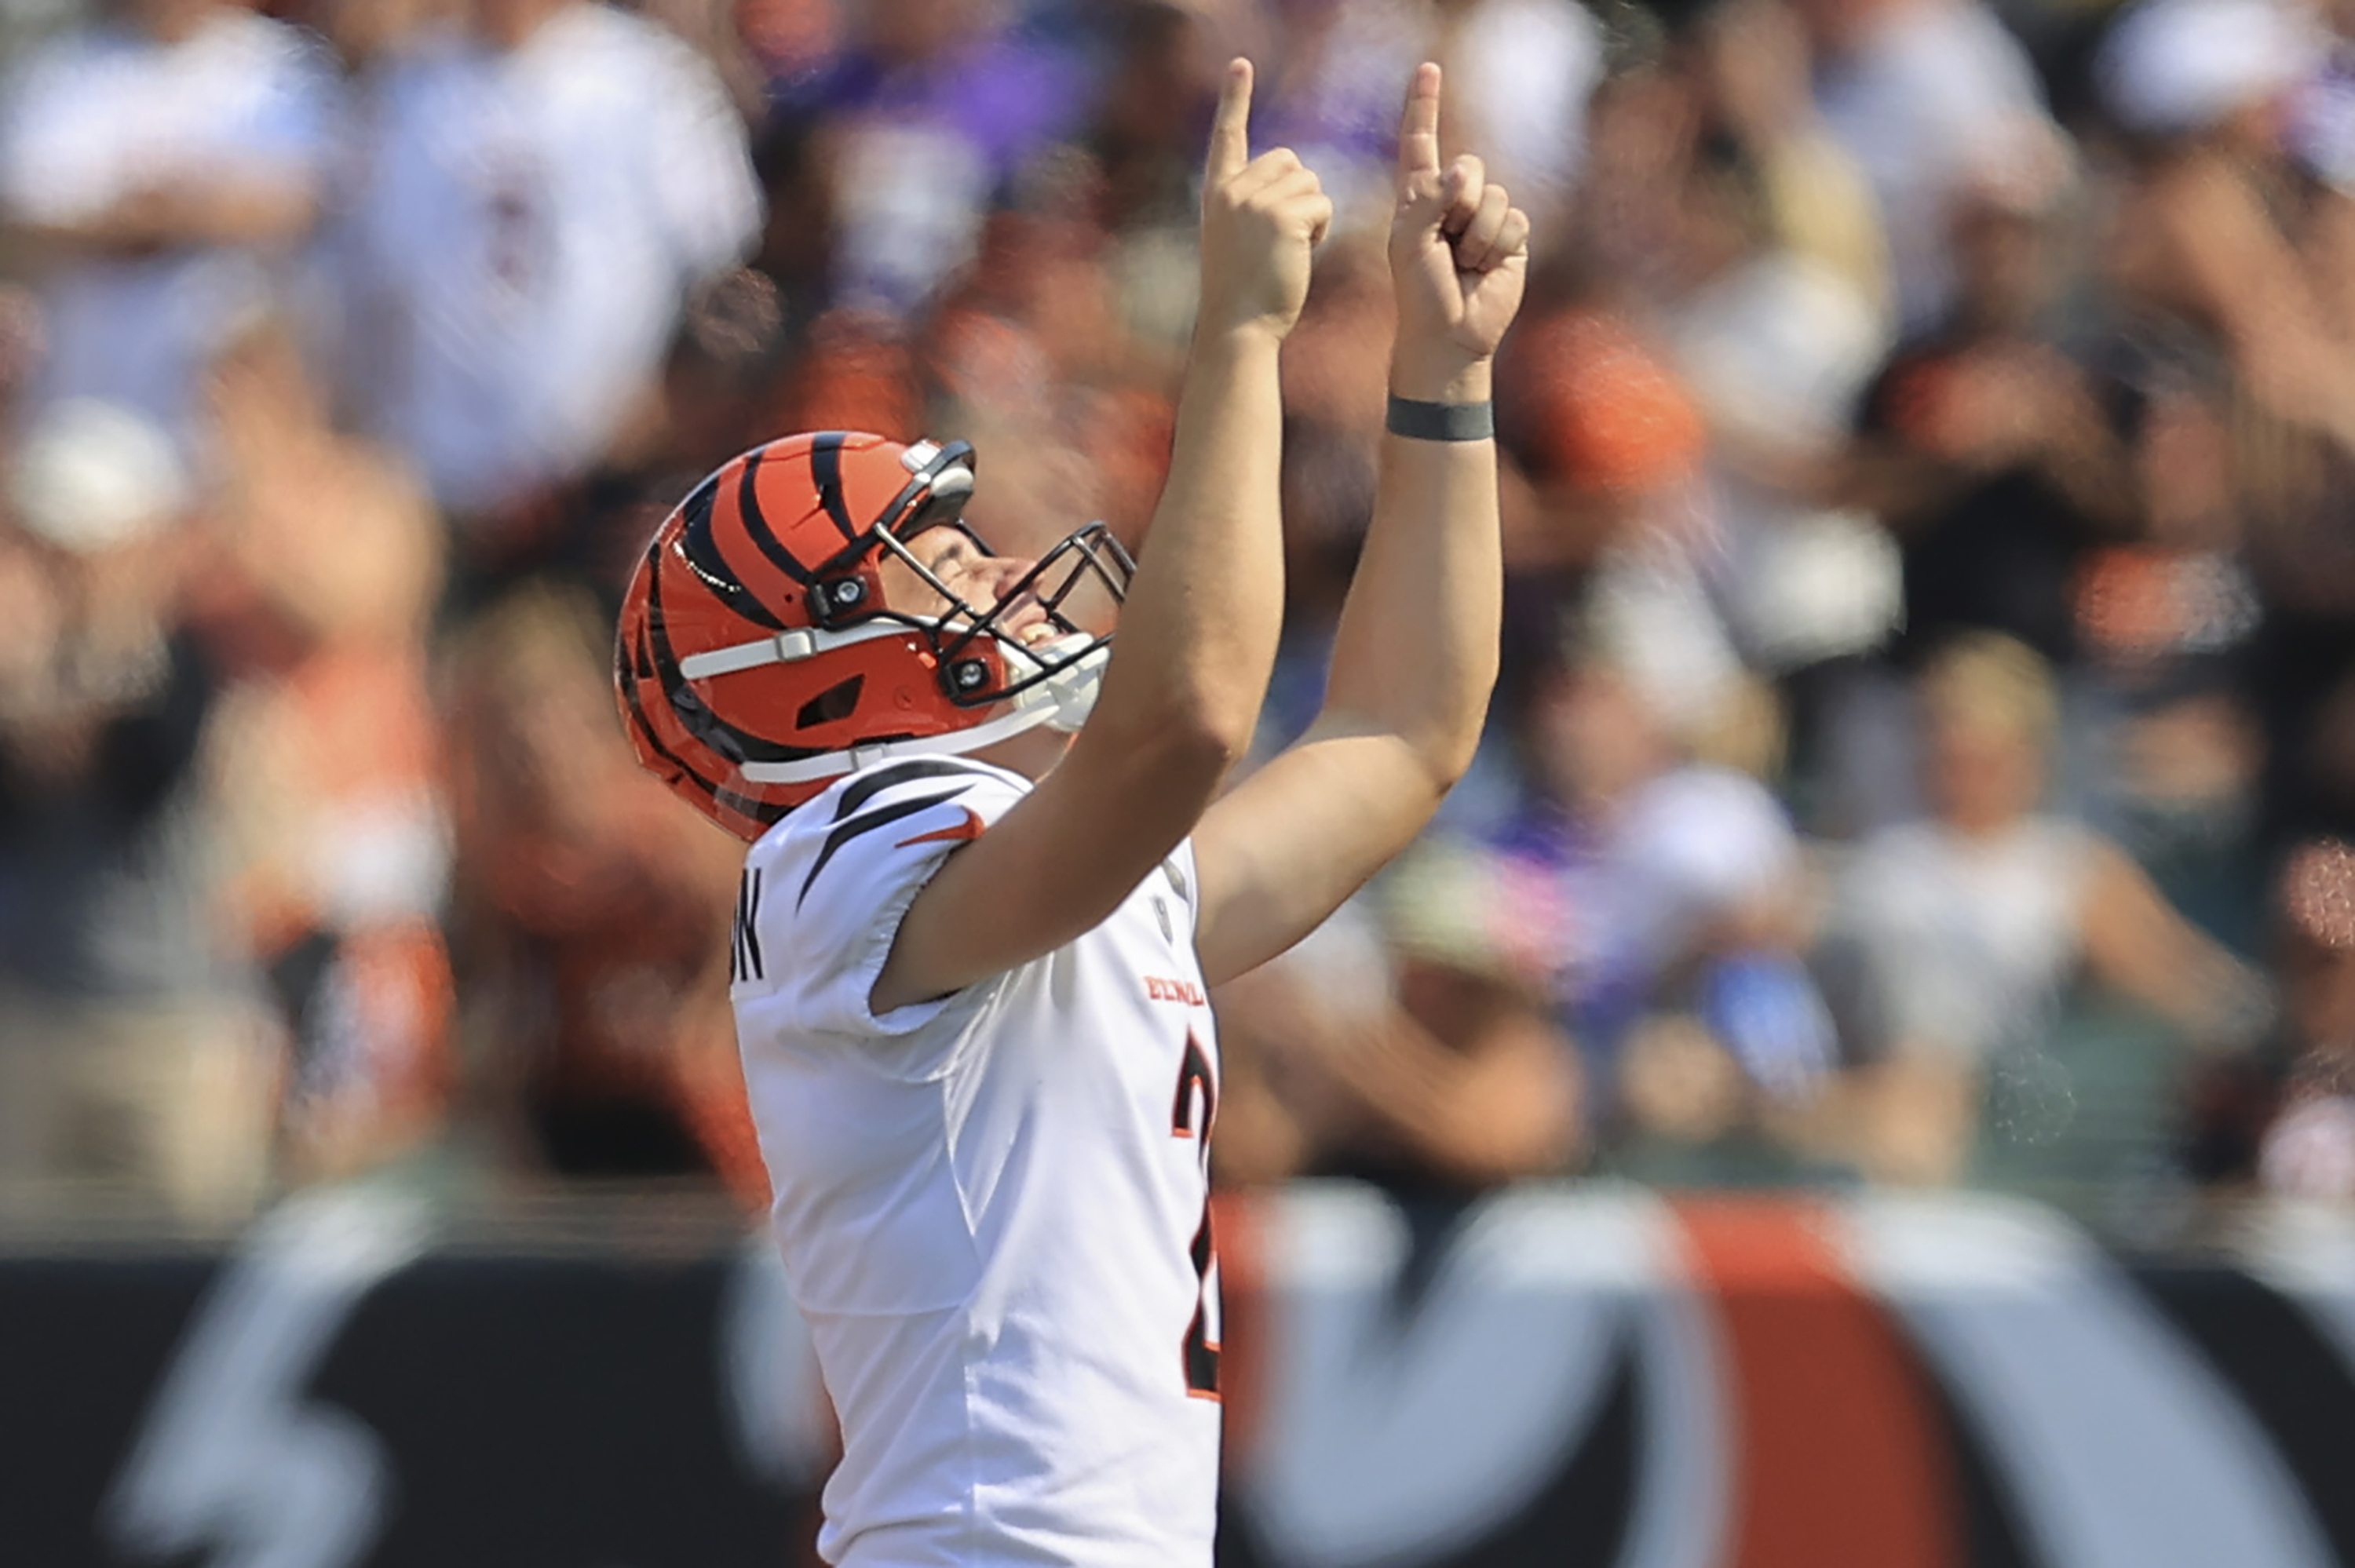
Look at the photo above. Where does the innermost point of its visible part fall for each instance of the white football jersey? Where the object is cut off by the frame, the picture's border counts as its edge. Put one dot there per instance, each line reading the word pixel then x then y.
pixel 993 1207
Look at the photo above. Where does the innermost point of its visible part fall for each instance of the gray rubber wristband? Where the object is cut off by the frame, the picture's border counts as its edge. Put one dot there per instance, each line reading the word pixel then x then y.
pixel 1418 421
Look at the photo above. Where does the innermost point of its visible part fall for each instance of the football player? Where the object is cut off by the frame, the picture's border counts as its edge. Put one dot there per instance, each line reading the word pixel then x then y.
pixel 974 937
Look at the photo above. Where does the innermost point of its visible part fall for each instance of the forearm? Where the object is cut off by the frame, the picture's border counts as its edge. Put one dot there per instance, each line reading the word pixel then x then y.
pixel 1199 631
pixel 1413 663
pixel 261 213
pixel 1415 656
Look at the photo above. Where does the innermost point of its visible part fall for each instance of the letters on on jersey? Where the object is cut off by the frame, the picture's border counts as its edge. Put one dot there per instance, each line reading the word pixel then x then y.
pixel 744 962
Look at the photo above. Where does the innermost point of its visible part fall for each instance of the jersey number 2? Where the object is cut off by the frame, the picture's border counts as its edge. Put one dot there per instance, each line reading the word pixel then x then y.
pixel 1196 1109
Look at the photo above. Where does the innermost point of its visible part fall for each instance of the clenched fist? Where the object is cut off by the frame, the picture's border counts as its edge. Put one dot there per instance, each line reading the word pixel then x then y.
pixel 1459 257
pixel 1261 219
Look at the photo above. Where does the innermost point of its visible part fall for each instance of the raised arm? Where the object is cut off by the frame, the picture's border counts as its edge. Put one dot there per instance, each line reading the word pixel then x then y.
pixel 1197 633
pixel 1416 655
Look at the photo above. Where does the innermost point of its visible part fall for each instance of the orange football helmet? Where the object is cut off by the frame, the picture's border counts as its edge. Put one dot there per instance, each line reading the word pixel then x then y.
pixel 757 661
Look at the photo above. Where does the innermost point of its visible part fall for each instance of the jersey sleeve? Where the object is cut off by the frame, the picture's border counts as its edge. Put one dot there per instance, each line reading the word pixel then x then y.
pixel 823 893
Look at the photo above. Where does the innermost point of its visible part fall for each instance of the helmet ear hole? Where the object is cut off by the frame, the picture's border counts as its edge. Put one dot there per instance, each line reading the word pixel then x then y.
pixel 832 706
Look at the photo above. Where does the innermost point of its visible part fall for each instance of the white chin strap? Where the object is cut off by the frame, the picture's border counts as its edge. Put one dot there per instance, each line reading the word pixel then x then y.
pixel 1061 702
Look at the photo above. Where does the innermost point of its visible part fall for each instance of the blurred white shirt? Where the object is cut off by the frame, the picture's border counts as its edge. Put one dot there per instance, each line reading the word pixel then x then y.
pixel 529 229
pixel 1937 95
pixel 1968 942
pixel 104 113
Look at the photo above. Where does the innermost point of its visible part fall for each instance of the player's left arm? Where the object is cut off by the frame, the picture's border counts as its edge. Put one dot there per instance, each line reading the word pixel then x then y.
pixel 1415 657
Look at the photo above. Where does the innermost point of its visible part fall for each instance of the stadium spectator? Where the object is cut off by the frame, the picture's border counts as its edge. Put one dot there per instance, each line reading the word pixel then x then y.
pixel 1161 81
pixel 154 163
pixel 590 928
pixel 335 825
pixel 922 122
pixel 369 37
pixel 1984 447
pixel 131 1056
pixel 1752 67
pixel 1652 876
pixel 1920 92
pixel 2236 260
pixel 1961 931
pixel 543 194
pixel 1769 310
pixel 2281 1120
pixel 1405 1043
pixel 2005 457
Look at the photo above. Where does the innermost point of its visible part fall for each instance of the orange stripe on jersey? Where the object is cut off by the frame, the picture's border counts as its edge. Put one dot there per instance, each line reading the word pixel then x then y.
pixel 963 831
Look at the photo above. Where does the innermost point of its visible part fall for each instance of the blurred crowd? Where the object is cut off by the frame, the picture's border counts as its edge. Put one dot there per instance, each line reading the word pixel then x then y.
pixel 1928 725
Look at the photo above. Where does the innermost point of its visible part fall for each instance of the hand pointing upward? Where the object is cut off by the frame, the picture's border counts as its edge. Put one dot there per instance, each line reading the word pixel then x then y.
pixel 1261 219
pixel 1459 257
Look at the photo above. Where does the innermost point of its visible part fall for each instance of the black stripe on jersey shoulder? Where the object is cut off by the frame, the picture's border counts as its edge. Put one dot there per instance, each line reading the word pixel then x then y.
pixel 882 816
pixel 866 786
pixel 825 469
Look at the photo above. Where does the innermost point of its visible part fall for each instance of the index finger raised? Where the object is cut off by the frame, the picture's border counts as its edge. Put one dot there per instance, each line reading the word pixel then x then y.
pixel 1418 149
pixel 1230 128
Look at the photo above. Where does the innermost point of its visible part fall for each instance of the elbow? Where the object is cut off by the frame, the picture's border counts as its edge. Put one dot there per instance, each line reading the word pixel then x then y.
pixel 1186 748
pixel 1449 761
pixel 1442 756
pixel 1207 727
pixel 1204 745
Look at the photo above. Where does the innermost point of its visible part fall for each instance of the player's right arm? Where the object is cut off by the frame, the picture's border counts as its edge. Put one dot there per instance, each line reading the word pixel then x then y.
pixel 1197 632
